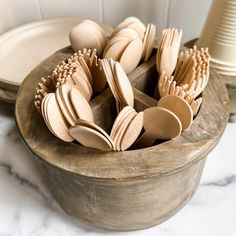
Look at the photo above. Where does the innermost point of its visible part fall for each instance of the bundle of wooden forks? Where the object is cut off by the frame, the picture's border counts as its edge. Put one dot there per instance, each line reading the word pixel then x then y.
pixel 184 73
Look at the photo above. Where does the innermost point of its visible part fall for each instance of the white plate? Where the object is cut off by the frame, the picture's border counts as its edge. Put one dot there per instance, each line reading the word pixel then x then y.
pixel 24 47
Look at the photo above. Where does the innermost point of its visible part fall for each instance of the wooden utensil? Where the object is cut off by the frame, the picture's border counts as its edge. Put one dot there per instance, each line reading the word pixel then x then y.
pixel 119 119
pixel 128 33
pixel 159 123
pixel 180 107
pixel 148 43
pixel 169 49
pixel 54 118
pixel 124 85
pixel 139 28
pixel 135 48
pixel 90 137
pixel 93 126
pixel 62 98
pixel 126 40
pixel 83 85
pixel 132 131
pixel 120 130
pixel 86 69
pixel 99 78
pixel 80 105
pixel 106 65
pixel 192 69
pixel 128 22
pixel 118 83
pixel 88 34
pixel 116 48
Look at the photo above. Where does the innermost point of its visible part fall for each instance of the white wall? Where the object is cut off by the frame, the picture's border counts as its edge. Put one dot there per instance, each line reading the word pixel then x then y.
pixel 189 15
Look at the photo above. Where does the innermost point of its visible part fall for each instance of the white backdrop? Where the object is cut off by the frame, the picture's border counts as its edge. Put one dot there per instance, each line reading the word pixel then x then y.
pixel 189 15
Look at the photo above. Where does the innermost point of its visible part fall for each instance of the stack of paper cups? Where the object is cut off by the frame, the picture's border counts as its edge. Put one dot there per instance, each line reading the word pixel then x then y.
pixel 219 35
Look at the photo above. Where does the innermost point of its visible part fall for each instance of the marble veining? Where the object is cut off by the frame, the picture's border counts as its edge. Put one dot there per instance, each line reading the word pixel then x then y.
pixel 28 208
pixel 231 179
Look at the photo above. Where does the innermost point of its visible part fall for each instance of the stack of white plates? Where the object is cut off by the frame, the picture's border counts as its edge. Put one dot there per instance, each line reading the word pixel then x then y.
pixel 22 48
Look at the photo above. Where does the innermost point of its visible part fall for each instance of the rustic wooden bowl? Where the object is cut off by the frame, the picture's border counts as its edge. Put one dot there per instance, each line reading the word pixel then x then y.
pixel 127 190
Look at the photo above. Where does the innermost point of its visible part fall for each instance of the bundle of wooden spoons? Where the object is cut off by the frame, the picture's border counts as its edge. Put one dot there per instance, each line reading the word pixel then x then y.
pixel 63 108
pixel 132 23
pixel 88 34
pixel 125 130
pixel 118 83
pixel 91 135
pixel 130 37
pixel 54 119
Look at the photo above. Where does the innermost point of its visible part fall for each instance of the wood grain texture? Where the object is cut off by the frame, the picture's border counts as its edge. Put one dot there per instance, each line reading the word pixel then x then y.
pixel 123 190
pixel 230 82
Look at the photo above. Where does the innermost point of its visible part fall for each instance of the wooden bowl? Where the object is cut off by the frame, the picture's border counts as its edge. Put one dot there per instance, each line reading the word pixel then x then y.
pixel 127 190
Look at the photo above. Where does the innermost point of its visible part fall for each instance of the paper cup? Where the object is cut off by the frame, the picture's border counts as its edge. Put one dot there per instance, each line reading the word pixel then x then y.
pixel 219 33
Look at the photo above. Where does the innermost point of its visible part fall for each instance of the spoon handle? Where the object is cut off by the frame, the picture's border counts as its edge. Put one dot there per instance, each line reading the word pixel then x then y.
pixel 146 140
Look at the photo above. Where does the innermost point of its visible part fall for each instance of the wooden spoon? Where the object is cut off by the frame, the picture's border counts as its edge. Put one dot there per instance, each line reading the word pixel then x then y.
pixel 82 85
pixel 119 119
pixel 62 98
pixel 116 49
pixel 139 28
pixel 126 22
pixel 80 105
pixel 95 127
pixel 180 107
pixel 87 35
pixel 128 33
pixel 132 131
pixel 149 42
pixel 159 123
pixel 128 62
pixel 90 137
pixel 86 69
pixel 124 85
pixel 54 118
pixel 122 128
pixel 106 65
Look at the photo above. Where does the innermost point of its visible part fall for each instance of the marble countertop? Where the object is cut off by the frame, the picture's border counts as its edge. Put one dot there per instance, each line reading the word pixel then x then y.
pixel 28 208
